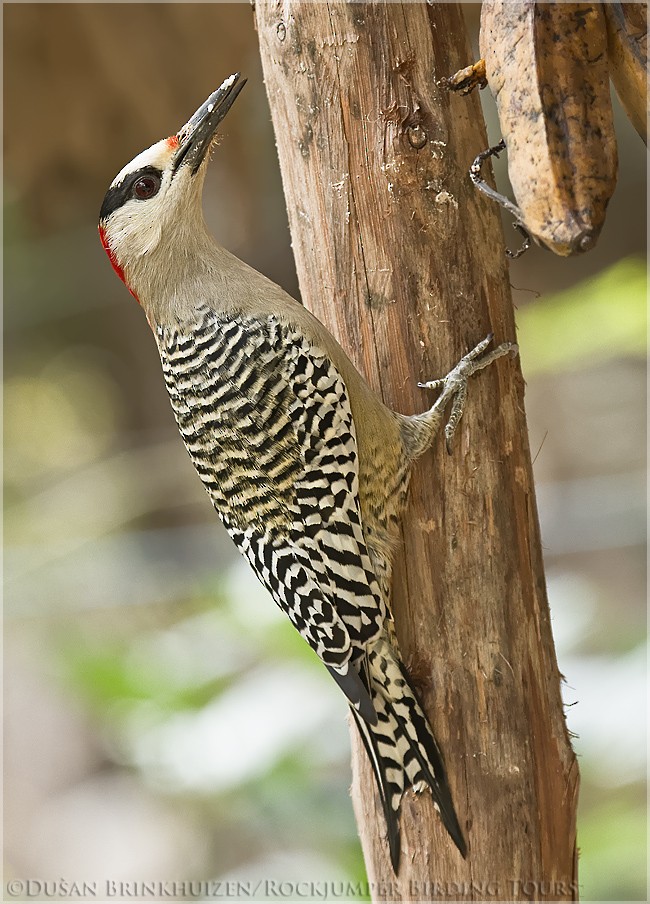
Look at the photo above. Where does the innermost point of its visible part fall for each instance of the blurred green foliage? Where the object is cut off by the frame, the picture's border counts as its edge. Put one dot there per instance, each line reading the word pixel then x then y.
pixel 602 318
pixel 613 846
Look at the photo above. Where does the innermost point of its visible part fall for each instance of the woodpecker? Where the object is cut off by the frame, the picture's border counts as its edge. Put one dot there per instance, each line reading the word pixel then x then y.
pixel 305 465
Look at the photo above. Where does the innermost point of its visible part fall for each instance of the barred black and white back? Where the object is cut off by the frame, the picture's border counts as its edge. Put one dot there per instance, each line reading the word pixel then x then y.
pixel 266 419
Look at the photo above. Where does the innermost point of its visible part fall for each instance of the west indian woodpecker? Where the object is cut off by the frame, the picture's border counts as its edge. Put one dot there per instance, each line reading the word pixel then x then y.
pixel 306 467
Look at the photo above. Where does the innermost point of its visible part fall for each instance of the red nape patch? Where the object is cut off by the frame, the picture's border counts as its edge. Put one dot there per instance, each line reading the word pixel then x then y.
pixel 173 141
pixel 120 272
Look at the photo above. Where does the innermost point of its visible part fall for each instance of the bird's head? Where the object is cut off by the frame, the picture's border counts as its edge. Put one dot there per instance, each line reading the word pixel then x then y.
pixel 154 203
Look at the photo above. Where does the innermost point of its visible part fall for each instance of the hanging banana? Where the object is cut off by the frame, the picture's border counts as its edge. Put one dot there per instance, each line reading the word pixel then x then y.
pixel 547 67
pixel 627 47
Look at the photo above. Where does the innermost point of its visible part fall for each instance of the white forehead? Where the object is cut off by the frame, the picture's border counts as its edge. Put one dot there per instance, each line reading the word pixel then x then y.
pixel 158 155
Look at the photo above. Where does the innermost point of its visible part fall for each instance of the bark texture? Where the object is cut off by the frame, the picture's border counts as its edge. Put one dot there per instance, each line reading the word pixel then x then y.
pixel 404 262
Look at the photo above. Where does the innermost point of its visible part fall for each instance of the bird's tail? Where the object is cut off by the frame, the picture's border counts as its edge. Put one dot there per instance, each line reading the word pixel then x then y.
pixel 401 746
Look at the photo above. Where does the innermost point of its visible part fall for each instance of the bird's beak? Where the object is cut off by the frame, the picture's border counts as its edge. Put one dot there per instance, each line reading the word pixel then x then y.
pixel 196 136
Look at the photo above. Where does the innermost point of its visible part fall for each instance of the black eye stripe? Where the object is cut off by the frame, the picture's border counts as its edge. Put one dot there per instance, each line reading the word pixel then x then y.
pixel 119 194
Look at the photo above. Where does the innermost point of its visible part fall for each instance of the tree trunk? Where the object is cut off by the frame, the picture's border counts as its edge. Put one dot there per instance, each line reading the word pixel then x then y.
pixel 404 262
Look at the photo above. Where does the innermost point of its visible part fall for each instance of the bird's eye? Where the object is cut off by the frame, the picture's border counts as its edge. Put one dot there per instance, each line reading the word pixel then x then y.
pixel 146 187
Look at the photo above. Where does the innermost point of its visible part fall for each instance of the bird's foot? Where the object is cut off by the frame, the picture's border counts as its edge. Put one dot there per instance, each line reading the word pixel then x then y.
pixel 454 385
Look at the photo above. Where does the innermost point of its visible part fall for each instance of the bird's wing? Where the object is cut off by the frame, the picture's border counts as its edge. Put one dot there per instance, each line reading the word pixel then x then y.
pixel 327 531
pixel 267 421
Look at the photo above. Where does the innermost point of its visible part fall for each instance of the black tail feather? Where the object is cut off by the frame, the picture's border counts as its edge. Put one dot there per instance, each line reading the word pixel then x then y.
pixel 392 816
pixel 401 747
pixel 437 779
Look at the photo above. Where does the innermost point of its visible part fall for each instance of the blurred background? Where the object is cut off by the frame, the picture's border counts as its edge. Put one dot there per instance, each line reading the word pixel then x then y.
pixel 162 718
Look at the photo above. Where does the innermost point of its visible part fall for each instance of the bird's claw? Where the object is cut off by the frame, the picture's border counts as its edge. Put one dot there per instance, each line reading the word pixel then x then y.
pixel 454 385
